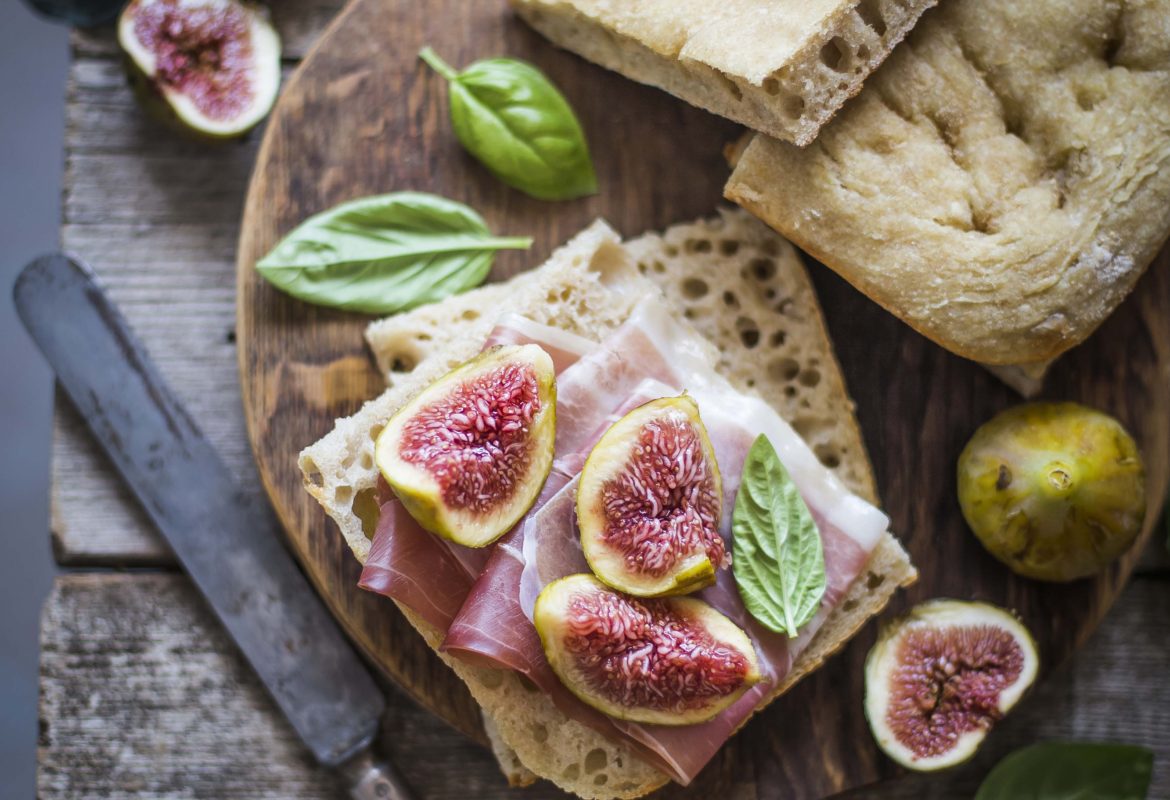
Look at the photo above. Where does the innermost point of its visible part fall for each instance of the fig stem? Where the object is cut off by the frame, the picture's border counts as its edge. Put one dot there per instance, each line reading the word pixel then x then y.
pixel 437 64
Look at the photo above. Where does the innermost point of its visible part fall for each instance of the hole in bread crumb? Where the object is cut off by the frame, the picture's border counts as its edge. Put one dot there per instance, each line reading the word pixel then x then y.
pixel 539 733
pixel 572 772
pixel 492 678
pixel 793 106
pixel 601 779
pixel 697 245
pixel 423 337
pixel 671 251
pixel 342 495
pixel 862 55
pixel 810 378
pixel 595 759
pixel 694 288
pixel 732 86
pixel 873 580
pixel 764 269
pixel 402 363
pixel 784 369
pixel 365 507
pixel 367 461
pixel 849 605
pixel 749 333
pixel 660 267
pixel 751 383
pixel 470 314
pixel 770 246
pixel 728 247
pixel 642 268
pixel 835 54
pixel 730 300
pixel 870 12
pixel 689 313
pixel 375 432
pixel 770 293
pixel 772 86
pixel 790 391
pixel 827 455
pixel 527 684
pixel 313 473
pixel 777 338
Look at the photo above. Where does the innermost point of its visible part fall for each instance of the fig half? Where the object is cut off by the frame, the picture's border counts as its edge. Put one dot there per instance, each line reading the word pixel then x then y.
pixel 939 678
pixel 665 661
pixel 469 455
pixel 215 64
pixel 1056 491
pixel 650 500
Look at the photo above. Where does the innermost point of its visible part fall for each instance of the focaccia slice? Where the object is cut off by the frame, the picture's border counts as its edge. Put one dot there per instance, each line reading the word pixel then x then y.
pixel 1001 183
pixel 783 67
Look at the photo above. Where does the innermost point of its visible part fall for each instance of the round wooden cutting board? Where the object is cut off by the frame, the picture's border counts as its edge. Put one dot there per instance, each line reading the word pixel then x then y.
pixel 362 116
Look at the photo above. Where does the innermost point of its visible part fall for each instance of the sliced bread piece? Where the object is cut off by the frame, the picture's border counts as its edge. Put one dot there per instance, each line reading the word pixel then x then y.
pixel 1001 183
pixel 783 67
pixel 735 256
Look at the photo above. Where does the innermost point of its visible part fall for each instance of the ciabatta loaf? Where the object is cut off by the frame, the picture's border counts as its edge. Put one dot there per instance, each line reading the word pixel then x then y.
pixel 1003 180
pixel 740 285
pixel 783 67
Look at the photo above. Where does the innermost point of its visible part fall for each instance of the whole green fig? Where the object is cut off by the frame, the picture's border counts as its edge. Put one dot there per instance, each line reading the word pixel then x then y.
pixel 1054 490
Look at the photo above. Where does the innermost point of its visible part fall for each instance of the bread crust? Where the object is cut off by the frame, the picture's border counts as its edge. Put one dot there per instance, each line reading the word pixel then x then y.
pixel 1003 181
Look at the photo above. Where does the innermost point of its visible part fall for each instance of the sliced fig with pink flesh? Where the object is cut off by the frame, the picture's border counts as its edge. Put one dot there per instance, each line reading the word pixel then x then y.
pixel 469 455
pixel 650 500
pixel 215 64
pixel 661 661
pixel 939 678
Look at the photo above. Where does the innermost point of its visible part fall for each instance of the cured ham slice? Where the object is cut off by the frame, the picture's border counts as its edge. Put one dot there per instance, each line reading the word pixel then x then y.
pixel 426 573
pixel 494 626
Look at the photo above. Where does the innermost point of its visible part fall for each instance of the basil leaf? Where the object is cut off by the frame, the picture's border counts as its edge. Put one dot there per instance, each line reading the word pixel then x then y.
pixel 1071 771
pixel 385 253
pixel 518 125
pixel 777 556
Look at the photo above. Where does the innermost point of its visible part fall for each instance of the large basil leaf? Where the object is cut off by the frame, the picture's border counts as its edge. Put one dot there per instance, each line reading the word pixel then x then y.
pixel 513 120
pixel 386 253
pixel 1071 771
pixel 777 556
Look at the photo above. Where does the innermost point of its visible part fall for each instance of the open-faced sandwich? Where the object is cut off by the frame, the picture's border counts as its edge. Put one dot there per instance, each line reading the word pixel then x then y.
pixel 630 478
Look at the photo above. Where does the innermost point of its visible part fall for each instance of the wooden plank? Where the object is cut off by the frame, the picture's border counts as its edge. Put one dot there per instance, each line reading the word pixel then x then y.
pixel 142 695
pixel 157 215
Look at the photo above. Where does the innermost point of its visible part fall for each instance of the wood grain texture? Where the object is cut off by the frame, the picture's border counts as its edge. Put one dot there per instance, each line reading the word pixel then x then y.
pixel 142 695
pixel 918 404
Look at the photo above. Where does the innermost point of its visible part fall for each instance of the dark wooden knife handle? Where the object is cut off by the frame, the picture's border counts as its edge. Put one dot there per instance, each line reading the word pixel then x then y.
pixel 369 778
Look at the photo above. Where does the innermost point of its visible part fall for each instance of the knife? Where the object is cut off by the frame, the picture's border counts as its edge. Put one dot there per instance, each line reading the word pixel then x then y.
pixel 225 535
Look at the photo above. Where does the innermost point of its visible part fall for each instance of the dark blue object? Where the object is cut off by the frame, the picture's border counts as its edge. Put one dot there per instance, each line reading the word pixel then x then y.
pixel 83 13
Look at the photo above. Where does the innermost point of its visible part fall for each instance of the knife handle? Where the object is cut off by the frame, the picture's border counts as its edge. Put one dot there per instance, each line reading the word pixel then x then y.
pixel 369 778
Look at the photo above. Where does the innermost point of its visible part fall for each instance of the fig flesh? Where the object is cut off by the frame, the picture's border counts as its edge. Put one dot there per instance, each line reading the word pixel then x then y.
pixel 939 678
pixel 468 456
pixel 1054 490
pixel 663 661
pixel 215 64
pixel 650 501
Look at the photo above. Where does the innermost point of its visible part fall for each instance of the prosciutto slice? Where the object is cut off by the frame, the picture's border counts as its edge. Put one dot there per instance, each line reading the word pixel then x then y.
pixel 494 625
pixel 426 573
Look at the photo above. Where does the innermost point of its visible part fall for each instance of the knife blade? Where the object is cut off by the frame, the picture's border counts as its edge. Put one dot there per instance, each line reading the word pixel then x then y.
pixel 225 535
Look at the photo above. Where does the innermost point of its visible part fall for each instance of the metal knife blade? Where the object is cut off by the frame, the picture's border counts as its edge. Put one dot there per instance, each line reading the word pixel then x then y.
pixel 225 535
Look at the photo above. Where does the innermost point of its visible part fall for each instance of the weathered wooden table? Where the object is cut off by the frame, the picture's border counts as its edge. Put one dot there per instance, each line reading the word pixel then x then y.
pixel 141 693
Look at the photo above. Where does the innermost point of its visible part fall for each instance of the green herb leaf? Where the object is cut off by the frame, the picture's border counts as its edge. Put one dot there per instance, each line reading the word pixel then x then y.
pixel 777 556
pixel 511 117
pixel 1071 771
pixel 386 253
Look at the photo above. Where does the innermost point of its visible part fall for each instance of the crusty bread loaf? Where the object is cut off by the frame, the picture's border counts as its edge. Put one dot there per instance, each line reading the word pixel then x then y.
pixel 783 67
pixel 754 304
pixel 1003 180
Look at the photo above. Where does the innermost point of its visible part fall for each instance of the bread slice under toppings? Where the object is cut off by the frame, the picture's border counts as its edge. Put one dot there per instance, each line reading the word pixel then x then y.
pixel 741 286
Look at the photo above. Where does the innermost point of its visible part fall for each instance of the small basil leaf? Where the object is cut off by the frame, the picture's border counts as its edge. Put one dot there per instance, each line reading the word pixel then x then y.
pixel 385 253
pixel 509 116
pixel 777 556
pixel 1071 771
